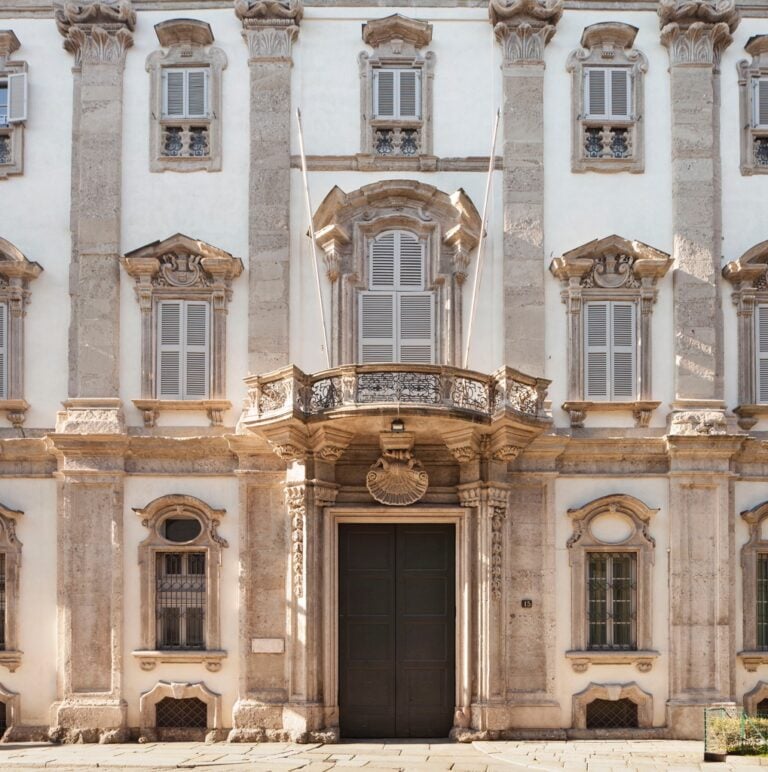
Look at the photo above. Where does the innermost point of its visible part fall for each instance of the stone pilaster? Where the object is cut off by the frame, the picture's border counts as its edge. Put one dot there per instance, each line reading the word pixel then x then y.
pixel 695 33
pixel 90 445
pixel 702 579
pixel 98 33
pixel 269 29
pixel 524 27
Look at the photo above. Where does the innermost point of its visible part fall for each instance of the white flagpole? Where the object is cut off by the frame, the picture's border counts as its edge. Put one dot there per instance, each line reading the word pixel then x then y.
pixel 480 250
pixel 312 239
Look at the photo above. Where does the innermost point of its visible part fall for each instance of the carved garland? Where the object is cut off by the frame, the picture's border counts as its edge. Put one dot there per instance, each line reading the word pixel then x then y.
pixel 498 516
pixel 295 496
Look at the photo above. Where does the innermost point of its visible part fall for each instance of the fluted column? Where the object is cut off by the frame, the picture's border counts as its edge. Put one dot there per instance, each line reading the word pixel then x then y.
pixel 695 32
pixel 98 34
pixel 524 27
pixel 269 29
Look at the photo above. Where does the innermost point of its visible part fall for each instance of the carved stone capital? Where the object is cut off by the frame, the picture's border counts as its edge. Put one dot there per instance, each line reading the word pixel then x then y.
pixel 269 27
pixel 524 27
pixel 96 32
pixel 696 32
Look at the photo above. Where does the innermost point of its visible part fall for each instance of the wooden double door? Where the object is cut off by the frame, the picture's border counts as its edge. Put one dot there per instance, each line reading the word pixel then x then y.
pixel 396 630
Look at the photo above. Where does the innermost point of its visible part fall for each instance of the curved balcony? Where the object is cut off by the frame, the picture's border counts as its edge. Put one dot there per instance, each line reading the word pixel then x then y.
pixel 385 388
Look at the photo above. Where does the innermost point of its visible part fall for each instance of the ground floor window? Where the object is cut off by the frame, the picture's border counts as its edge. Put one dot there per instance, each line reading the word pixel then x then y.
pixel 187 713
pixel 612 714
pixel 611 600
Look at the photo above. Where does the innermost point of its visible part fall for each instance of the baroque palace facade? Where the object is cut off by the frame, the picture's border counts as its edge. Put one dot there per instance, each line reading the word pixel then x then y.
pixel 245 500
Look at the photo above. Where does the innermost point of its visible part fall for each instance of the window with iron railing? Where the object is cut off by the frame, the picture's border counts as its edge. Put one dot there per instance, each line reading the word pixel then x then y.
pixel 612 600
pixel 762 601
pixel 2 601
pixel 180 600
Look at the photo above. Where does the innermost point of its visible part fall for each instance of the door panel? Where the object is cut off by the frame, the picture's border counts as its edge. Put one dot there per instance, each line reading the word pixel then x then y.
pixel 396 630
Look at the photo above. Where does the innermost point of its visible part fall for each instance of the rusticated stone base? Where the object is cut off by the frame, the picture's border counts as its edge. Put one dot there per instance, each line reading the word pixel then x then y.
pixel 685 720
pixel 25 734
pixel 260 722
pixel 89 722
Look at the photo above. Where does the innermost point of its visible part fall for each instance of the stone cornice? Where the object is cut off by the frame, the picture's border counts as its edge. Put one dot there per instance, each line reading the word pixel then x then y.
pixel 696 32
pixel 524 27
pixel 751 269
pixel 8 43
pixel 189 32
pixel 96 32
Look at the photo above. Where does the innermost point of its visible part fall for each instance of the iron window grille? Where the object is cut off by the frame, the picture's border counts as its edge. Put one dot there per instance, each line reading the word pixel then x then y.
pixel 2 601
pixel 612 600
pixel 3 718
pixel 185 713
pixel 761 710
pixel 762 601
pixel 180 600
pixel 612 714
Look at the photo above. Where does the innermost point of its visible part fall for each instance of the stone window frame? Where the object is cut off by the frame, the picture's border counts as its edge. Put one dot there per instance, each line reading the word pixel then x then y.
pixel 749 277
pixel 757 47
pixel 13 132
pixel 179 691
pixel 345 222
pixel 754 697
pixel 613 693
pixel 152 517
pixel 608 45
pixel 612 268
pixel 396 42
pixel 186 43
pixel 751 657
pixel 208 277
pixel 12 702
pixel 640 543
pixel 10 546
pixel 15 274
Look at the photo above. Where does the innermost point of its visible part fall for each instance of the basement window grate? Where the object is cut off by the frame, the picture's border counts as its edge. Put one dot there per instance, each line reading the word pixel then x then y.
pixel 612 714
pixel 188 713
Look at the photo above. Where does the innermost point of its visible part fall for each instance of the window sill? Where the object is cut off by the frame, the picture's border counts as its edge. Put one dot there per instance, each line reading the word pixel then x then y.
pixel 212 659
pixel 10 659
pixel 642 660
pixel 15 410
pixel 753 659
pixel 641 410
pixel 213 407
pixel 750 414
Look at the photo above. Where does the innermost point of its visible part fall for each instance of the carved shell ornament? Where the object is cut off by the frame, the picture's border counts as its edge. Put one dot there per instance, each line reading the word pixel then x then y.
pixel 397 479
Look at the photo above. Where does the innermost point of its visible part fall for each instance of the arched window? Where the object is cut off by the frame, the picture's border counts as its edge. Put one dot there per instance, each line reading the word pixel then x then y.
pixel 396 311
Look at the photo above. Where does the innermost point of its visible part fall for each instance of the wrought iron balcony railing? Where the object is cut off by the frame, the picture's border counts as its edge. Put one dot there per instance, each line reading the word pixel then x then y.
pixel 292 392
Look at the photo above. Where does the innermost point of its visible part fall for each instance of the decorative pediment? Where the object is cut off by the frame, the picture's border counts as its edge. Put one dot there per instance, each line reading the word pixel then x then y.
pixel 751 269
pixel 625 518
pixel 9 43
pixel 397 29
pixel 181 262
pixel 184 32
pixel 609 35
pixel 13 265
pixel 611 263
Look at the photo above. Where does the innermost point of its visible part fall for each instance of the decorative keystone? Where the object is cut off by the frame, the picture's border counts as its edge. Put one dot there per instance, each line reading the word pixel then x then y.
pixel 96 32
pixel 697 31
pixel 524 27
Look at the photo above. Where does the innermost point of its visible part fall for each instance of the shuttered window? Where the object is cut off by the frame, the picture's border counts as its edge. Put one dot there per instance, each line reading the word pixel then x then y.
pixel 17 97
pixel 610 351
pixel 185 92
pixel 3 351
pixel 183 349
pixel 396 313
pixel 760 102
pixel 761 348
pixel 397 93
pixel 607 92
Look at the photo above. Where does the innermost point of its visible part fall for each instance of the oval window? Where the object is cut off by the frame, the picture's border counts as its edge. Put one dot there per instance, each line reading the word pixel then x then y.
pixel 180 529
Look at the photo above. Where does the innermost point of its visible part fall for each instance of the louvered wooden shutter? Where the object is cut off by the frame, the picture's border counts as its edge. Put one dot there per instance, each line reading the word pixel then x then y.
pixel 415 317
pixel 197 93
pixel 596 351
pixel 169 350
pixel 594 92
pixel 620 93
pixel 762 353
pixel 17 97
pixel 377 327
pixel 382 267
pixel 384 93
pixel 3 351
pixel 410 262
pixel 409 97
pixel 173 93
pixel 623 351
pixel 760 102
pixel 196 347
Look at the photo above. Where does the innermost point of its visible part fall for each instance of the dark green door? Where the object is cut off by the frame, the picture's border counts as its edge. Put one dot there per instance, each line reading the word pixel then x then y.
pixel 396 630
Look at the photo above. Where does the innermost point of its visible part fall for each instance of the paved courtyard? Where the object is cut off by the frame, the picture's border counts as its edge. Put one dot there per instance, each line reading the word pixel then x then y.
pixel 414 756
